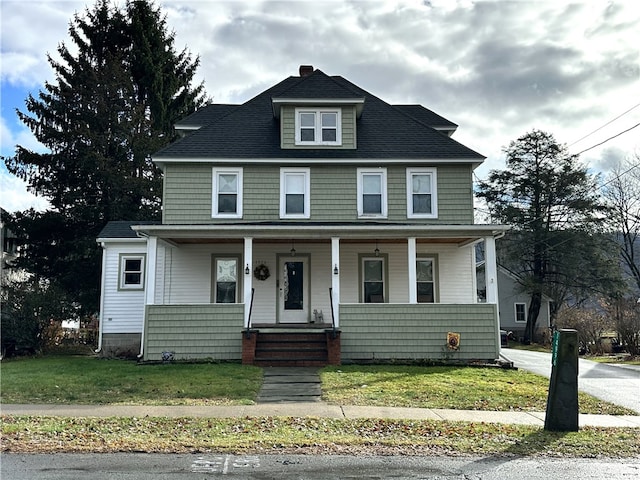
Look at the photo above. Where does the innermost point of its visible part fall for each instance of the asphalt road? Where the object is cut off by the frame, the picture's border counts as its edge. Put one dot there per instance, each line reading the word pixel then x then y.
pixel 618 384
pixel 308 467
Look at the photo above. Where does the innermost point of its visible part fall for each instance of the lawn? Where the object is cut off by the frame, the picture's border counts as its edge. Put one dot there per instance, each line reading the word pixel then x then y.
pixel 89 380
pixel 463 388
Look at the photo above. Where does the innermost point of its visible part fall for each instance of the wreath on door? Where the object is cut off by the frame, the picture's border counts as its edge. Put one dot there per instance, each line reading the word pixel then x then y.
pixel 261 272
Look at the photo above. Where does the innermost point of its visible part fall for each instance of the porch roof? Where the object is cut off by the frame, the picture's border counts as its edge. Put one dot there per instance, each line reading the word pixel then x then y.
pixel 459 234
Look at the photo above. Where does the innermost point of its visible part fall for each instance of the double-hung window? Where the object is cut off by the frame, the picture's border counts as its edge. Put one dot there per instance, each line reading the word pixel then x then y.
pixel 372 192
pixel 422 200
pixel 425 280
pixel 373 275
pixel 227 193
pixel 521 312
pixel 132 272
pixel 295 186
pixel 318 127
pixel 226 279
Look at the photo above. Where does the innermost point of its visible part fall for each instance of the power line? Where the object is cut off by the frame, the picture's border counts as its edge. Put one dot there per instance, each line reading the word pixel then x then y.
pixel 608 123
pixel 610 138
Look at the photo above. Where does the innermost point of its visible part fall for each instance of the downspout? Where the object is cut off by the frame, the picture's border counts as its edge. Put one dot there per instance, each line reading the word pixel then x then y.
pixel 100 325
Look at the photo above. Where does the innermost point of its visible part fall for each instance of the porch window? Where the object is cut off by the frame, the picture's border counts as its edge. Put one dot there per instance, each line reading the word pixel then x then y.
pixel 425 280
pixel 226 280
pixel 132 272
pixel 227 193
pixel 372 192
pixel 422 193
pixel 521 312
pixel 373 275
pixel 295 185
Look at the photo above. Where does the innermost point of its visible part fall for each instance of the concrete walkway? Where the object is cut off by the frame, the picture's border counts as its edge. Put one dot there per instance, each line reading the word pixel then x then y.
pixel 290 385
pixel 309 409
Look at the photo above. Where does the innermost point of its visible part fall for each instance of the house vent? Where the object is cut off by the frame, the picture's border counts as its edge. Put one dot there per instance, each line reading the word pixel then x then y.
pixel 306 70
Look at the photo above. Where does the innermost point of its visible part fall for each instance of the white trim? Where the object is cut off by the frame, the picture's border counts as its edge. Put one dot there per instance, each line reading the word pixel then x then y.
pixel 216 171
pixel 284 171
pixel 319 161
pixel 382 173
pixel 432 172
pixel 515 312
pixel 411 257
pixel 317 127
pixel 335 279
pixel 122 285
pixel 247 279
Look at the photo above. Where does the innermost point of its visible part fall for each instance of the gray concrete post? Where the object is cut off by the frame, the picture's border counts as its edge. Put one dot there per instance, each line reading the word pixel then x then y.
pixel 562 402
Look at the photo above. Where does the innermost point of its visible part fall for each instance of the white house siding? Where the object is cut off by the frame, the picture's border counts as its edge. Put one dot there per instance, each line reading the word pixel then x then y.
pixel 455 272
pixel 122 310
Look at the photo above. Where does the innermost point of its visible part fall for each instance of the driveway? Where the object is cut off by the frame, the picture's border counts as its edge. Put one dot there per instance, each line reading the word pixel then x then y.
pixel 619 384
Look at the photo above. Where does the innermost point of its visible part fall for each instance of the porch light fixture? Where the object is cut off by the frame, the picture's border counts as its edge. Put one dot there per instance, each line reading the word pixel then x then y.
pixel 293 250
pixel 377 250
pixel 335 269
pixel 247 270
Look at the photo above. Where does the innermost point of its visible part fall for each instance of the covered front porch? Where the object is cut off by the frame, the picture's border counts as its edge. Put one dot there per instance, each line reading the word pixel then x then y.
pixel 386 292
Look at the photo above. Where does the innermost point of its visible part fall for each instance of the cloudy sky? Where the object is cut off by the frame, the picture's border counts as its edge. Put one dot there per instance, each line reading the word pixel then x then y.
pixel 496 68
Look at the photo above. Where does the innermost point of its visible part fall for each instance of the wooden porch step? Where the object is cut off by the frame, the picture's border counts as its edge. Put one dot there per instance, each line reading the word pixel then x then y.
pixel 292 349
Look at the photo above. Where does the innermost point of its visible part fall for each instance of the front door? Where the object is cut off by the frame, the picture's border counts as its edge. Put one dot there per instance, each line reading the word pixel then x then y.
pixel 293 290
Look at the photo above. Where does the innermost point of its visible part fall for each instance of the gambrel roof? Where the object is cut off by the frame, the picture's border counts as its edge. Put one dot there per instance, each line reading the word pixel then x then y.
pixel 252 131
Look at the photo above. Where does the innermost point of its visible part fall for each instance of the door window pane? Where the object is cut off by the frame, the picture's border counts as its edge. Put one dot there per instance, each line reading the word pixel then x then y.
pixel 293 285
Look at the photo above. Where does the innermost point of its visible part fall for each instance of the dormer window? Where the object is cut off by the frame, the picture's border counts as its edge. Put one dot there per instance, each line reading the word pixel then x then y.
pixel 318 126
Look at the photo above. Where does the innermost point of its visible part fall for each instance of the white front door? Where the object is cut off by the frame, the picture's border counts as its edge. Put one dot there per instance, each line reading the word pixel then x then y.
pixel 293 290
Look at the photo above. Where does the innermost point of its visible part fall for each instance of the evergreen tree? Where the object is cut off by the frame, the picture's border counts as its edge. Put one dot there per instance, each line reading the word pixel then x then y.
pixel 112 104
pixel 554 207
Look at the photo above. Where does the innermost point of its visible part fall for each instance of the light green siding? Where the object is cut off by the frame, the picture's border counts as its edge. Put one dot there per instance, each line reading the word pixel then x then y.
pixel 194 331
pixel 287 128
pixel 188 191
pixel 406 331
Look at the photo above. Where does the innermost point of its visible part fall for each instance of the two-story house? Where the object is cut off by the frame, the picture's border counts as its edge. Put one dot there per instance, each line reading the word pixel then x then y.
pixel 313 217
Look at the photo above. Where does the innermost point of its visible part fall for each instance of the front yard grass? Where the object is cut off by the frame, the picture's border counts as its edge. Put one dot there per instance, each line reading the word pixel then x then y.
pixel 89 380
pixel 462 388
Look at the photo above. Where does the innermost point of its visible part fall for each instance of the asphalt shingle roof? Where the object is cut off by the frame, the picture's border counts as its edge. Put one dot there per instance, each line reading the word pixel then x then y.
pixel 122 228
pixel 251 131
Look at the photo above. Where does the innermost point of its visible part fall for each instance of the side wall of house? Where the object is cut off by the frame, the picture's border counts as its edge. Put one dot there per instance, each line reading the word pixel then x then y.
pixel 508 295
pixel 122 310
pixel 188 193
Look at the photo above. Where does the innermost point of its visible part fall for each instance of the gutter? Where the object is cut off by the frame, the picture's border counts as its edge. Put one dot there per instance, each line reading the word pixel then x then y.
pixel 100 325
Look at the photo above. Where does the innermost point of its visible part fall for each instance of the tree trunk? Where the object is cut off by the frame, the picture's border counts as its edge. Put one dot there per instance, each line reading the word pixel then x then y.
pixel 532 316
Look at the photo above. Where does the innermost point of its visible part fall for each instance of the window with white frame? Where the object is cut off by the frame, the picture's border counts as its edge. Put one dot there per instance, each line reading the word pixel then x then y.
pixel 132 272
pixel 422 200
pixel 373 275
pixel 521 312
pixel 425 280
pixel 318 127
pixel 227 193
pixel 226 279
pixel 295 185
pixel 372 192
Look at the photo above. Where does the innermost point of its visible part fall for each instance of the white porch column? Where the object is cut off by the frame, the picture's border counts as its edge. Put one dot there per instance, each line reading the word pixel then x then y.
pixel 248 278
pixel 491 269
pixel 411 254
pixel 150 280
pixel 335 279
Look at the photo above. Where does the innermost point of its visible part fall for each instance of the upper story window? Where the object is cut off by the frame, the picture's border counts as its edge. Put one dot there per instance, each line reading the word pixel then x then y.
pixel 372 192
pixel 295 186
pixel 132 272
pixel 422 200
pixel 227 193
pixel 318 127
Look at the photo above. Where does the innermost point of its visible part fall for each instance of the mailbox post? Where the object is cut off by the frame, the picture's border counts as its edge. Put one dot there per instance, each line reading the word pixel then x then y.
pixel 562 402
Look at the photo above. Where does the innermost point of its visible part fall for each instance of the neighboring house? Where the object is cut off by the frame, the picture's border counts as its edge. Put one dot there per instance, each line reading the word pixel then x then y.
pixel 514 305
pixel 313 217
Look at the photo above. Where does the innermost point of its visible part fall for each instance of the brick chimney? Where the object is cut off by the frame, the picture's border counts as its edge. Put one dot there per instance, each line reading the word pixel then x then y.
pixel 306 70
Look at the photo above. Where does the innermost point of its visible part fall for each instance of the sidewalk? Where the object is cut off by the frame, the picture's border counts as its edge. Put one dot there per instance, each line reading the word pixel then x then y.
pixel 307 409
